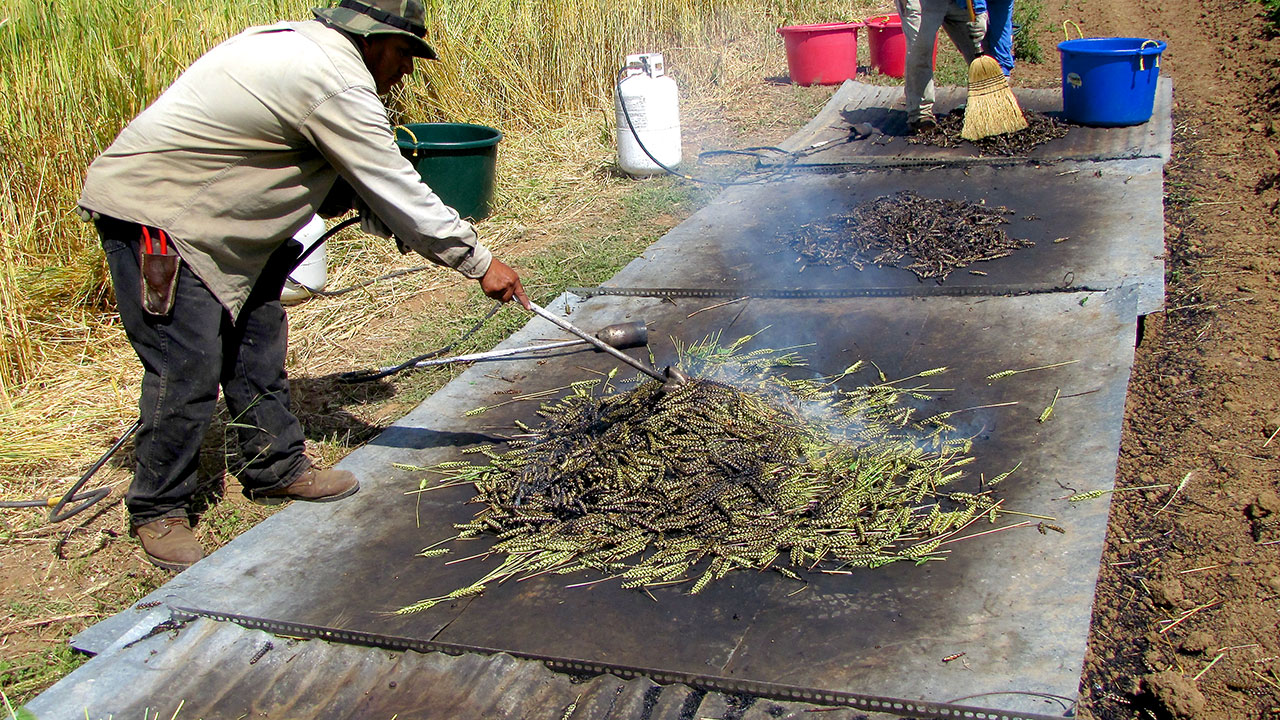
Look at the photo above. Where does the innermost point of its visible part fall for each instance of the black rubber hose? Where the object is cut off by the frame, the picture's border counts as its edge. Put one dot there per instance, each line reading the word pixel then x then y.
pixel 83 500
pixel 93 496
pixel 359 376
pixel 327 234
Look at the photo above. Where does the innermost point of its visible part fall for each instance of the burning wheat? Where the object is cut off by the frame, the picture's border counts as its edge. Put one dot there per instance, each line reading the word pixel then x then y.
pixel 741 468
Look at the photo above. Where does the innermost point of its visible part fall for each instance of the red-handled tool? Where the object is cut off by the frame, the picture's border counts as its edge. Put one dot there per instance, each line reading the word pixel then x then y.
pixel 149 248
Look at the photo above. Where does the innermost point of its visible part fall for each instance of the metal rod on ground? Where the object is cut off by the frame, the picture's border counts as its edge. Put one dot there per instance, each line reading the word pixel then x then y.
pixel 623 335
pixel 495 354
pixel 81 501
pixel 566 325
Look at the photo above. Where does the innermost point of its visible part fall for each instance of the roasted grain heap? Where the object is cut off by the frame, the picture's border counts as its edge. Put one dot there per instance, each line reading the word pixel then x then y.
pixel 1040 129
pixel 740 468
pixel 928 236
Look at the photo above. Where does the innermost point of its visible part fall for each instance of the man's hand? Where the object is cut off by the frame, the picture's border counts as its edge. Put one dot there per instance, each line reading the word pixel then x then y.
pixel 370 223
pixel 500 282
pixel 339 201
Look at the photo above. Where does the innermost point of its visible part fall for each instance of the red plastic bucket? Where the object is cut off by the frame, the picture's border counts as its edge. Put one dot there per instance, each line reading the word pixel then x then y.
pixel 888 45
pixel 824 54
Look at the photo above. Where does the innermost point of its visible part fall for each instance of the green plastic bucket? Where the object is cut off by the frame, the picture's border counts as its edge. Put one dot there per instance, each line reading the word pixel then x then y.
pixel 458 161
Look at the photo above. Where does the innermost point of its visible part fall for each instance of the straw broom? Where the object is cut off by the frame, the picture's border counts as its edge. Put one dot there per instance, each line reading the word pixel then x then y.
pixel 992 109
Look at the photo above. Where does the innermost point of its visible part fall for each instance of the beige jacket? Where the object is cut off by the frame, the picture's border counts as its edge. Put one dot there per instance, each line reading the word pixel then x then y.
pixel 237 155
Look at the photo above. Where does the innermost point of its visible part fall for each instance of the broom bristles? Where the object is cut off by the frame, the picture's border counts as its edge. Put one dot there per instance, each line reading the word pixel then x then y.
pixel 992 108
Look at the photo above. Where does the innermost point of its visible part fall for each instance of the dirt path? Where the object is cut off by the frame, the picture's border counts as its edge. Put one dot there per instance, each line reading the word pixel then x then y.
pixel 1187 614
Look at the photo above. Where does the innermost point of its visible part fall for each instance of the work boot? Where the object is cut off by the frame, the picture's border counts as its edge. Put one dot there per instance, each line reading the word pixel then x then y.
pixel 169 542
pixel 922 125
pixel 312 486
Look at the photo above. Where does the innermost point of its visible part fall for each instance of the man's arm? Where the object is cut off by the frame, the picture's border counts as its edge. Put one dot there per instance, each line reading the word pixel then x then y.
pixel 351 130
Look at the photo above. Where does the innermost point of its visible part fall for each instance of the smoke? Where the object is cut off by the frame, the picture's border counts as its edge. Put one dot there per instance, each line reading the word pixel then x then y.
pixel 856 401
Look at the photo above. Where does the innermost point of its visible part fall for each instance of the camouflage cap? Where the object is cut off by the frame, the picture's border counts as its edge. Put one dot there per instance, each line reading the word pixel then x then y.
pixel 380 17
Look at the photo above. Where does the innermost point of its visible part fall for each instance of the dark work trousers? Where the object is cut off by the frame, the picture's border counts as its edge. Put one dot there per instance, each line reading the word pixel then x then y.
pixel 185 357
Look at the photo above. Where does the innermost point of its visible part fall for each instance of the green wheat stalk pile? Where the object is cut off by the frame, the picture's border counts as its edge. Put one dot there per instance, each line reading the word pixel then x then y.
pixel 740 468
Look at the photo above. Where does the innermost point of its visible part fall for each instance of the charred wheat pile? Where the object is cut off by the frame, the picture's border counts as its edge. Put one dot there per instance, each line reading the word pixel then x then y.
pixel 928 236
pixel 651 487
pixel 1040 129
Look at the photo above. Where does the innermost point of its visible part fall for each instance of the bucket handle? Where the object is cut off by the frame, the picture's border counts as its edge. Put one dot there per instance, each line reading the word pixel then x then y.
pixel 411 136
pixel 1066 34
pixel 1142 60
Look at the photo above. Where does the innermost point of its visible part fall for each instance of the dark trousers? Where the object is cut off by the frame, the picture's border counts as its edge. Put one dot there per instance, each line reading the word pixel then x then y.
pixel 185 357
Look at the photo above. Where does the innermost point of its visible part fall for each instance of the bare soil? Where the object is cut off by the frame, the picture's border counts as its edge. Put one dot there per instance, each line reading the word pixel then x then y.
pixel 1187 612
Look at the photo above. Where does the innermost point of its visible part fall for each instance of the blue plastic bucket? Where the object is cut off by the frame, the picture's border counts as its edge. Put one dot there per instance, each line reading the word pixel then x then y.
pixel 1109 82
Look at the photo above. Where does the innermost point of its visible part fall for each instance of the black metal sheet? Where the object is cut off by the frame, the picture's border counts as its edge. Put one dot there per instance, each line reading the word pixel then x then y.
pixel 867 124
pixel 1094 227
pixel 218 670
pixel 1017 602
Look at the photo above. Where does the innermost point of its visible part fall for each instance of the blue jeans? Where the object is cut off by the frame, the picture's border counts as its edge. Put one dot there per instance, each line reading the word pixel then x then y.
pixel 999 40
pixel 186 356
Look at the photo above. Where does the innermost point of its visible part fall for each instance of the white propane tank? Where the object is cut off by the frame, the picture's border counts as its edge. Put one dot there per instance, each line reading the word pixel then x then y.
pixel 313 272
pixel 653 103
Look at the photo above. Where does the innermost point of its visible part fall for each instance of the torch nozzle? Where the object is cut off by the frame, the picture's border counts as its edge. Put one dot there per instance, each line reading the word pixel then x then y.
pixel 675 377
